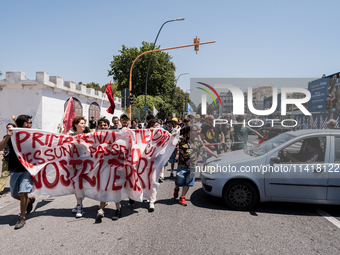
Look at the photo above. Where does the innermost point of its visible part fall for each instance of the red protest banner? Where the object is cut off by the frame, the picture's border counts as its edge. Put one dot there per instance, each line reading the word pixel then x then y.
pixel 105 165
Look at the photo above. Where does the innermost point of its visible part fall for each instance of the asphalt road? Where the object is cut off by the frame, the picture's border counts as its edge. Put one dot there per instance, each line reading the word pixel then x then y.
pixel 205 226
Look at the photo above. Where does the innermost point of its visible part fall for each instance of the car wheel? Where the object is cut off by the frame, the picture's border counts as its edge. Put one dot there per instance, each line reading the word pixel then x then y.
pixel 240 195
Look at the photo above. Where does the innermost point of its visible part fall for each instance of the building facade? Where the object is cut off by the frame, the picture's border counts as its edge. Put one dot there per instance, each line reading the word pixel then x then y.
pixel 46 98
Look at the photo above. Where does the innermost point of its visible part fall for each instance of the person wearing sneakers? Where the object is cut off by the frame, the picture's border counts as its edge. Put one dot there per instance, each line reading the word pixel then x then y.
pixel 189 146
pixel 104 124
pixel 124 121
pixel 21 182
pixel 78 127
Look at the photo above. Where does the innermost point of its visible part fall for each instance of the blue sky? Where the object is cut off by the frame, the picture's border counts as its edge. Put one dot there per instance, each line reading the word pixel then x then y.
pixel 76 40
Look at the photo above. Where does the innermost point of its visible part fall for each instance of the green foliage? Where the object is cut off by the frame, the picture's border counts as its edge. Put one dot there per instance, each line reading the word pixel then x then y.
pixel 114 88
pixel 160 105
pixel 93 85
pixel 161 79
pixel 0 73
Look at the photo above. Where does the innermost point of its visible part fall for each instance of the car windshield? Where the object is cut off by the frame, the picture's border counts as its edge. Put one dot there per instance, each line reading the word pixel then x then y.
pixel 269 145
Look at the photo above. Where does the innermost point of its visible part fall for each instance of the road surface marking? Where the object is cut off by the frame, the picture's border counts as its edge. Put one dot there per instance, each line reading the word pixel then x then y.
pixel 327 216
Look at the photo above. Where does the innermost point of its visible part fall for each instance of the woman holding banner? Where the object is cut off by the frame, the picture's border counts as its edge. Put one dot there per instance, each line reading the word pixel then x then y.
pixel 104 124
pixel 78 127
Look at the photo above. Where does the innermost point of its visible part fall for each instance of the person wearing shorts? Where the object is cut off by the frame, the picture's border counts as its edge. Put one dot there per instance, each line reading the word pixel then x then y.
pixel 189 147
pixel 21 182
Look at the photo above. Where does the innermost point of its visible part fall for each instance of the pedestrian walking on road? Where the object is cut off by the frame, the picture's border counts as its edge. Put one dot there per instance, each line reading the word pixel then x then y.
pixel 189 146
pixel 21 182
pixel 78 127
pixel 104 124
pixel 5 173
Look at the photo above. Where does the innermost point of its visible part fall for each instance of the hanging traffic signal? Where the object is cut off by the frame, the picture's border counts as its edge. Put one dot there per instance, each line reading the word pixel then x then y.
pixel 131 97
pixel 196 42
pixel 334 104
pixel 328 104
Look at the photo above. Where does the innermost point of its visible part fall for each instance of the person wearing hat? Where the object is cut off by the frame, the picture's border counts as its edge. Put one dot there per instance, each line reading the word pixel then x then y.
pixel 175 123
pixel 124 120
pixel 331 124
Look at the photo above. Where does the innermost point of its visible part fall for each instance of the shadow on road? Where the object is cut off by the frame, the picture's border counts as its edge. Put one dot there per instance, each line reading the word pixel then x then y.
pixel 200 199
pixel 89 212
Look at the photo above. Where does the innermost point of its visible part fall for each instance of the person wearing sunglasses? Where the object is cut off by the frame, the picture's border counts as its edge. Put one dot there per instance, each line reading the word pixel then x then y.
pixel 124 121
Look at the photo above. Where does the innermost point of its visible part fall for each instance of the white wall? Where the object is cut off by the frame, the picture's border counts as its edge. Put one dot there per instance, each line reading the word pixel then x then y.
pixel 44 99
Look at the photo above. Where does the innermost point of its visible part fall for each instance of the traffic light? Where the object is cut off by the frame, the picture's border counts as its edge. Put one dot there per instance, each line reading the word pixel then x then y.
pixel 334 104
pixel 196 42
pixel 131 97
pixel 328 104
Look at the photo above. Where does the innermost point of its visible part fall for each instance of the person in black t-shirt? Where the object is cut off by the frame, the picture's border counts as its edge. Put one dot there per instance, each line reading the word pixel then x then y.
pixel 5 173
pixel 92 124
pixel 21 182
pixel 211 135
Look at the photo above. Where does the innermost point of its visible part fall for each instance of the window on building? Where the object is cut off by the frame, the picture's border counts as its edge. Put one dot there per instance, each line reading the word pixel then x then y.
pixel 94 111
pixel 78 108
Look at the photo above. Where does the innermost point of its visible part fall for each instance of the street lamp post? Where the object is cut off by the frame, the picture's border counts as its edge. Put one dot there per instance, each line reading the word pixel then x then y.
pixel 150 51
pixel 153 47
pixel 173 92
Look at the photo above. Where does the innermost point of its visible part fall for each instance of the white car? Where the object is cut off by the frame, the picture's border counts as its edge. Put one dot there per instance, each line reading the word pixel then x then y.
pixel 264 174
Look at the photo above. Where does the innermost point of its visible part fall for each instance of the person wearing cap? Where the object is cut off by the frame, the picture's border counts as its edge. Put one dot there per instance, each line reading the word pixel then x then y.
pixel 124 121
pixel 331 124
pixel 175 123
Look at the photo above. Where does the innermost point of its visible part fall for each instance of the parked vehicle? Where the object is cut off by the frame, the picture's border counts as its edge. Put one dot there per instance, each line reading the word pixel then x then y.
pixel 264 173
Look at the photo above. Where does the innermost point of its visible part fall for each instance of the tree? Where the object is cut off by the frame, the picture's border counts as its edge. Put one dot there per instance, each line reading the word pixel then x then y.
pixel 159 103
pixel 114 88
pixel 0 73
pixel 93 85
pixel 161 79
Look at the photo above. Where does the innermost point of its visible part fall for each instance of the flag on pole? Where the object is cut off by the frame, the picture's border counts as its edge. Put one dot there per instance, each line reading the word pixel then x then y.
pixel 154 110
pixel 189 108
pixel 109 94
pixel 69 115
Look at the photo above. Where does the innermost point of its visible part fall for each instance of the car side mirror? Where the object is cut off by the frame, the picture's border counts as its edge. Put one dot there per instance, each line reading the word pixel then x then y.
pixel 276 160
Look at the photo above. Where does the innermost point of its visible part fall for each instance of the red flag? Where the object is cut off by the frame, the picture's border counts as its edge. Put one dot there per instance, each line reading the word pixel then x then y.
pixel 109 94
pixel 263 138
pixel 69 115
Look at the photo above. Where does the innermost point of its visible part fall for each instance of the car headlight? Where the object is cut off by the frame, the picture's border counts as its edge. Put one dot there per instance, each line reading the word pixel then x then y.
pixel 211 169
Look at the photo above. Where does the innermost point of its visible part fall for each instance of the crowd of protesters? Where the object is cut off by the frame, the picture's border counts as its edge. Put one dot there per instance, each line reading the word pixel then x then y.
pixel 197 136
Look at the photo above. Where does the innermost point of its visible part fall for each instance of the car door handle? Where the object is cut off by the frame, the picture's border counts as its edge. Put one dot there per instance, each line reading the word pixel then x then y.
pixel 318 170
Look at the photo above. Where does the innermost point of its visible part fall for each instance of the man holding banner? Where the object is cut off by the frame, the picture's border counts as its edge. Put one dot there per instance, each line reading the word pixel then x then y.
pixel 21 182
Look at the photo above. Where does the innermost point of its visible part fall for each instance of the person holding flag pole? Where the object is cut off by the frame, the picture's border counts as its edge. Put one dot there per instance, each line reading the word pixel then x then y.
pixel 154 110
